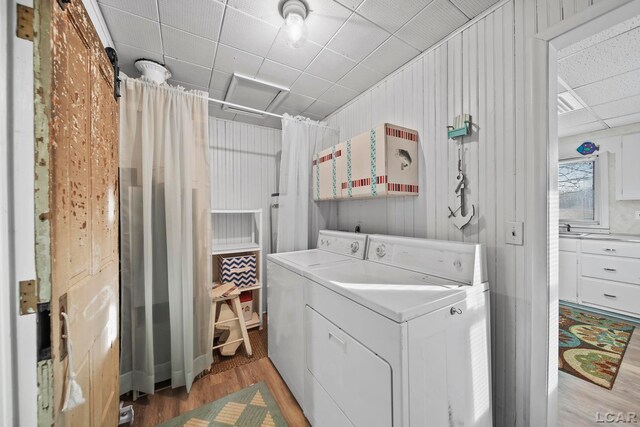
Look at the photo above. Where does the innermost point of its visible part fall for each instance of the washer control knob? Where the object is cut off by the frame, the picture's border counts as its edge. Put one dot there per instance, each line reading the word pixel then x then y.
pixel 355 246
pixel 381 250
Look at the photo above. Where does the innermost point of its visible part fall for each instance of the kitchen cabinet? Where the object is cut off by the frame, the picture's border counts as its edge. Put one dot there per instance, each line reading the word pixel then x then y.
pixel 627 171
pixel 568 276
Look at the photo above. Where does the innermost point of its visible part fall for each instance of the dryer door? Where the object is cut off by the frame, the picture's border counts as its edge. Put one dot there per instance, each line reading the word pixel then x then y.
pixel 355 378
pixel 449 365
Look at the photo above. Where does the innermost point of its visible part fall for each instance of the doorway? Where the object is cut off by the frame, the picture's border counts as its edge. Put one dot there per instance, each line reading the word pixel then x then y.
pixel 594 128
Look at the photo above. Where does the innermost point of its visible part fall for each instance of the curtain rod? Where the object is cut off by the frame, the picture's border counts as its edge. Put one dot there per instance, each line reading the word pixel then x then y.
pixel 253 110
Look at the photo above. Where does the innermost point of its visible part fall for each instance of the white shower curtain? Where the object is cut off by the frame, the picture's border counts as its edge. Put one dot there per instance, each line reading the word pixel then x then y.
pixel 164 235
pixel 299 217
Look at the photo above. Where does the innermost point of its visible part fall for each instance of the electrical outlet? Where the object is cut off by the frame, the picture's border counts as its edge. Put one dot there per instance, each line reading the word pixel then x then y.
pixel 514 233
pixel 637 214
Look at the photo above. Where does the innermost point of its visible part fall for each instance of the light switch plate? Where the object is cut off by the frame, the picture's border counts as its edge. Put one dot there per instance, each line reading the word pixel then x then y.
pixel 514 233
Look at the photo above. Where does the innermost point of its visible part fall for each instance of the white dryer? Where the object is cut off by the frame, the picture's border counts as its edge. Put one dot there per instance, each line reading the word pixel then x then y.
pixel 285 283
pixel 401 339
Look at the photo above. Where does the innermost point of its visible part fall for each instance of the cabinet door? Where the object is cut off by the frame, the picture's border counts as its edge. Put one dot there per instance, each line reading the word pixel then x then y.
pixel 568 276
pixel 628 177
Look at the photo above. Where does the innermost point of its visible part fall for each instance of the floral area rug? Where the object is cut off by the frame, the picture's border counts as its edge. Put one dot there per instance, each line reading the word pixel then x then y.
pixel 592 345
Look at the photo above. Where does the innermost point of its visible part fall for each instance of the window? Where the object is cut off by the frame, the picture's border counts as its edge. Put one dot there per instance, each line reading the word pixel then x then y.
pixel 583 191
pixel 577 191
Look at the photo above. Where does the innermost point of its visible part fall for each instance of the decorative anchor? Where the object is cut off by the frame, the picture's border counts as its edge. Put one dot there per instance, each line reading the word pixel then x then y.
pixel 461 220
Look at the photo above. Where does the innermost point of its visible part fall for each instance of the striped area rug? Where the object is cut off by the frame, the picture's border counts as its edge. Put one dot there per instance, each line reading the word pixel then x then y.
pixel 252 406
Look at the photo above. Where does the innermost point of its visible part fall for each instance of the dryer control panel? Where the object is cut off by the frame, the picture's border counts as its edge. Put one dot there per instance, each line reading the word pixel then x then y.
pixel 343 243
pixel 457 261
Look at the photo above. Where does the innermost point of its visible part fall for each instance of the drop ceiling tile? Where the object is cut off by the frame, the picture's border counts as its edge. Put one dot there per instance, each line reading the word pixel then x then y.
pixel 357 38
pixel 295 103
pixel 390 56
pixel 473 8
pixel 188 72
pixel 623 120
pixel 575 130
pixel 321 108
pixel 186 86
pixel 575 118
pixel 618 87
pixel 247 33
pixel 273 122
pixel 388 14
pixel 309 85
pixel 188 47
pixel 266 10
pixel 127 55
pixel 132 29
pixel 607 34
pixel 607 59
pixel 312 116
pixel 219 80
pixel 330 66
pixel 338 95
pixel 361 78
pixel 298 58
pixel 200 17
pixel 432 24
pixel 145 8
pixel 230 60
pixel 621 107
pixel 324 19
pixel 351 4
pixel 277 73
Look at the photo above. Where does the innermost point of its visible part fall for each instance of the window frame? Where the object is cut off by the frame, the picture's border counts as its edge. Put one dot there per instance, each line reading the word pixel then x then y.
pixel 600 193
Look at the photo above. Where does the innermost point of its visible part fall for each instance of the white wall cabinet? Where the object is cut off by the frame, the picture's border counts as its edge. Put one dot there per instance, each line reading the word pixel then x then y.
pixel 627 170
pixel 568 276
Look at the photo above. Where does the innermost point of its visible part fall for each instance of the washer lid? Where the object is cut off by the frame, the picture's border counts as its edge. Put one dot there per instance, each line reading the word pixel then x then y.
pixel 302 260
pixel 395 293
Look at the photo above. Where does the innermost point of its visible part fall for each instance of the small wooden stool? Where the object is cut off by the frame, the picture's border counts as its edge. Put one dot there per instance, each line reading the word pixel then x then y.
pixel 230 292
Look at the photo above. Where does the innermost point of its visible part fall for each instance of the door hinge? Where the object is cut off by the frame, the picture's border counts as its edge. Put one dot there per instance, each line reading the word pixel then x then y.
pixel 28 297
pixel 24 24
pixel 113 58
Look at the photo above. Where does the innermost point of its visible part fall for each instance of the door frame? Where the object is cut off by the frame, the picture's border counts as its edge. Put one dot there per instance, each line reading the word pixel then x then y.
pixel 542 197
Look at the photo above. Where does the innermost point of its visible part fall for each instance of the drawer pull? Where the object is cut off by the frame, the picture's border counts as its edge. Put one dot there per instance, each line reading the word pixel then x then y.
pixel 335 338
pixel 610 296
pixel 609 250
pixel 610 270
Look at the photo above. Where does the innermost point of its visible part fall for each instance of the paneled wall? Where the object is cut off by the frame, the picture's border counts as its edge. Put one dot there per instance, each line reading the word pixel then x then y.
pixel 244 162
pixel 480 71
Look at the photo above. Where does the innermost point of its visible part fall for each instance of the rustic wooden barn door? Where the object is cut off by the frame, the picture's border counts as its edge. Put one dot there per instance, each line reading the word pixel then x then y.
pixel 76 198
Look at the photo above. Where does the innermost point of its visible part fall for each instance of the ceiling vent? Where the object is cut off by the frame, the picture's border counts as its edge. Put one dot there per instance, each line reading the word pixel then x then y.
pixel 567 103
pixel 253 93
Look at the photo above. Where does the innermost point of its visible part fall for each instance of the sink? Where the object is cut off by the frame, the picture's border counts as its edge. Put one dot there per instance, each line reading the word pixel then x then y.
pixel 572 234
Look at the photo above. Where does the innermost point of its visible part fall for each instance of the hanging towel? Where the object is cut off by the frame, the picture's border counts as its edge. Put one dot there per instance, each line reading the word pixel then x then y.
pixel 73 396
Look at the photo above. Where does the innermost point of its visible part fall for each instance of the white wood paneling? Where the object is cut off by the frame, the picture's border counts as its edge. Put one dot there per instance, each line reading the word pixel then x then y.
pixel 244 161
pixel 480 71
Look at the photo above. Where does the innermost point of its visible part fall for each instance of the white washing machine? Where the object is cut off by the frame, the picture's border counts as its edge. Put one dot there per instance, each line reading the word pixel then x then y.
pixel 401 339
pixel 285 283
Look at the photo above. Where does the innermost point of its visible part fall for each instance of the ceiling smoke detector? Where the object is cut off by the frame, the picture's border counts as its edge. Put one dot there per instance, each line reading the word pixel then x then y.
pixel 152 70
pixel 294 13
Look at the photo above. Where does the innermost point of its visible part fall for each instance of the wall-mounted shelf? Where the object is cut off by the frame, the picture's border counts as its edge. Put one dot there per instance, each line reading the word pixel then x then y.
pixel 249 243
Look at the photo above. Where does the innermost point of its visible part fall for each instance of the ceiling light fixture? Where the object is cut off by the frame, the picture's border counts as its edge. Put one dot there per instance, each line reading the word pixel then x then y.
pixel 294 13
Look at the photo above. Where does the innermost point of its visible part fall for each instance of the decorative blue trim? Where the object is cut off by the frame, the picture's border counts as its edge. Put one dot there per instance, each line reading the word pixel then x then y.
pixel 349 187
pixel 333 170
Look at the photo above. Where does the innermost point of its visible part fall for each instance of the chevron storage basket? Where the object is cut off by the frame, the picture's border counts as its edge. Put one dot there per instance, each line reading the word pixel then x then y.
pixel 239 270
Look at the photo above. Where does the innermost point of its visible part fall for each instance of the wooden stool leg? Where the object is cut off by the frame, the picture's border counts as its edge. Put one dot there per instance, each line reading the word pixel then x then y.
pixel 243 326
pixel 214 308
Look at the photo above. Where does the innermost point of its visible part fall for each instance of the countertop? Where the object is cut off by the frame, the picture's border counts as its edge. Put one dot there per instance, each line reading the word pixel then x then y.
pixel 634 238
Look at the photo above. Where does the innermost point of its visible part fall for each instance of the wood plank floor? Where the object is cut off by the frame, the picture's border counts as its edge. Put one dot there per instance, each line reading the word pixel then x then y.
pixel 168 403
pixel 579 401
